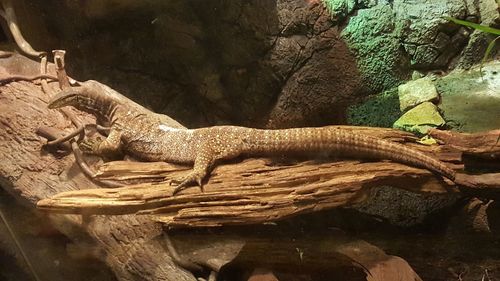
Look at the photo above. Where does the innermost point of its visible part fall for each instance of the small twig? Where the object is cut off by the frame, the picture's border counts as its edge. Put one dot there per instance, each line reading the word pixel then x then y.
pixel 10 16
pixel 14 78
pixel 212 276
pixel 61 71
pixel 101 129
pixel 89 171
pixel 51 133
pixel 79 127
pixel 4 54
pixel 65 138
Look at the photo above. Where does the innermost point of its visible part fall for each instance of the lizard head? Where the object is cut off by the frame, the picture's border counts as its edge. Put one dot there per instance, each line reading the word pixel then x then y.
pixel 65 98
pixel 88 98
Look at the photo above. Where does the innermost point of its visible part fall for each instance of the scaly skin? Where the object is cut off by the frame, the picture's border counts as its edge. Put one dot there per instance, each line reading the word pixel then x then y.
pixel 143 135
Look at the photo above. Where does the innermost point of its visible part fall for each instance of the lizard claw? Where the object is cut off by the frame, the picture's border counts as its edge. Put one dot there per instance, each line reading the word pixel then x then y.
pixel 186 181
pixel 89 146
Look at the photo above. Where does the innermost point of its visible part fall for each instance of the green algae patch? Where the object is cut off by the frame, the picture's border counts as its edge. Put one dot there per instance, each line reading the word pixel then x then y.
pixel 380 110
pixel 420 119
pixel 470 102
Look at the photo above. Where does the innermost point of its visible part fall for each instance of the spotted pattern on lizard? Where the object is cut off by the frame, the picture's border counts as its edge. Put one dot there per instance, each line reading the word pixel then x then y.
pixel 142 134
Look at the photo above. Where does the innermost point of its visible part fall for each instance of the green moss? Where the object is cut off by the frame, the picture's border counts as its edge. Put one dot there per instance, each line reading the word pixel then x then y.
pixel 372 37
pixel 381 110
pixel 339 8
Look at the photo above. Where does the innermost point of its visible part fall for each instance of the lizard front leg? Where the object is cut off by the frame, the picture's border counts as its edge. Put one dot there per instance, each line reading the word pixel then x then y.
pixel 204 160
pixel 111 146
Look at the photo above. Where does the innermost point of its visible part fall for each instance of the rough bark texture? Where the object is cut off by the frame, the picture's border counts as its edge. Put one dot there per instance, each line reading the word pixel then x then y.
pixel 250 192
pixel 255 191
pixel 132 245
pixel 31 173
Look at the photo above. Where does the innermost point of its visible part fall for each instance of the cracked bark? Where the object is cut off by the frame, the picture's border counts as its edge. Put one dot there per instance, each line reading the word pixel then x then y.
pixel 255 191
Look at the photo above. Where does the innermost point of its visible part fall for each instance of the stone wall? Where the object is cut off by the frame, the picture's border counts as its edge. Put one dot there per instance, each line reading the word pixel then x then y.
pixel 280 63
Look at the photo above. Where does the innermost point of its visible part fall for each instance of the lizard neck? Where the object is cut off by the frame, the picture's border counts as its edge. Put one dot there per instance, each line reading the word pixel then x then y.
pixel 102 107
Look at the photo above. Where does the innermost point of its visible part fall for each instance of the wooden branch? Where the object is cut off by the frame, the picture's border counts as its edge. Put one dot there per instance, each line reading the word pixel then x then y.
pixel 251 192
pixel 479 143
pixel 31 173
pixel 256 191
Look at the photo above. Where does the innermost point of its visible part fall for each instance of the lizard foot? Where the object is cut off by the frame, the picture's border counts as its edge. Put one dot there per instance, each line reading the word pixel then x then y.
pixel 186 181
pixel 90 146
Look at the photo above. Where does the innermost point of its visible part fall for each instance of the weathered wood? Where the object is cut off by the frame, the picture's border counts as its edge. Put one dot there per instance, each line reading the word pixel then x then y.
pixel 255 190
pixel 31 173
pixel 478 143
pixel 251 192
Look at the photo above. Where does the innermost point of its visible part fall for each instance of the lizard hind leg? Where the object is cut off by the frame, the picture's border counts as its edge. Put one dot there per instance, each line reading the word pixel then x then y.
pixel 200 169
pixel 186 181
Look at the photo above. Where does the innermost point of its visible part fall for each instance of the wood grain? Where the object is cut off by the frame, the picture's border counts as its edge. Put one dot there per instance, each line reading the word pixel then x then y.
pixel 252 190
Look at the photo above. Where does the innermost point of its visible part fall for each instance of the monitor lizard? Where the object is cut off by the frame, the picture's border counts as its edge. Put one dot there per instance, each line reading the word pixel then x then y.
pixel 142 134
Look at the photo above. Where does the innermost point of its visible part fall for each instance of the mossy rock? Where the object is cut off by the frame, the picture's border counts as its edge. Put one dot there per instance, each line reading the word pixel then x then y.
pixel 381 110
pixel 470 101
pixel 372 38
pixel 415 92
pixel 420 119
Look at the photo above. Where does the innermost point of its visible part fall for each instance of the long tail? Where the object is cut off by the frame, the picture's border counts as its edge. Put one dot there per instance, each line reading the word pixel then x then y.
pixel 341 142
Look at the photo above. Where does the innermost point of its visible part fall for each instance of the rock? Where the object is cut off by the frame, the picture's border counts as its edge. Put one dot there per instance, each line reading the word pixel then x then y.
pixel 426 36
pixel 372 37
pixel 281 63
pixel 392 269
pixel 262 274
pixel 322 82
pixel 340 9
pixel 407 208
pixel 469 102
pixel 313 66
pixel 420 119
pixel 416 92
pixel 416 75
pixel 487 11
